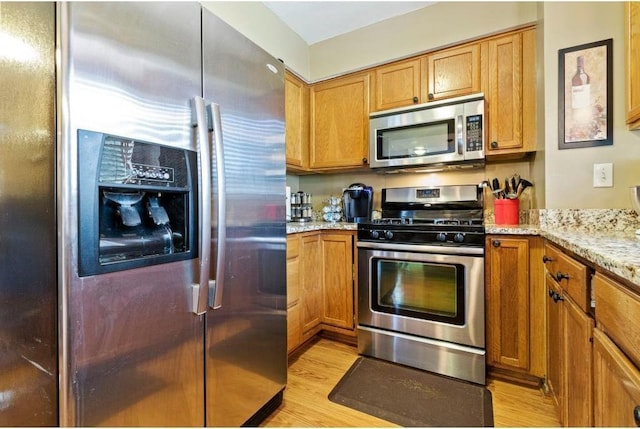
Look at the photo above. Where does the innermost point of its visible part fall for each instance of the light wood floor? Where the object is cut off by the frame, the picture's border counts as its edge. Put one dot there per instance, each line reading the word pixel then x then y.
pixel 317 368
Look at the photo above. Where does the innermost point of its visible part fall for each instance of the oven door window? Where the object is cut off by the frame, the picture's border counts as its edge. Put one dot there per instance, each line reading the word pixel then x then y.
pixel 423 290
pixel 433 138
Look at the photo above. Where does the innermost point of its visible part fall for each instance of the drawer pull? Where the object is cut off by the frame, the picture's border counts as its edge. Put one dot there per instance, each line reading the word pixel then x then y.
pixel 495 243
pixel 560 276
pixel 636 415
pixel 546 259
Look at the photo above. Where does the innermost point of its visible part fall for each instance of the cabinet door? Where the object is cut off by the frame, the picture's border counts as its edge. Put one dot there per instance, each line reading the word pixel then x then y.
pixel 555 345
pixel 508 302
pixel 396 85
pixel 632 57
pixel 578 331
pixel 294 334
pixel 504 94
pixel 311 292
pixel 340 123
pixel 337 252
pixel 453 72
pixel 616 385
pixel 297 122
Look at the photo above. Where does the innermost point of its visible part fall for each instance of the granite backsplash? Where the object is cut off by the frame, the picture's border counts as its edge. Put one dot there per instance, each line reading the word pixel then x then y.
pixel 577 219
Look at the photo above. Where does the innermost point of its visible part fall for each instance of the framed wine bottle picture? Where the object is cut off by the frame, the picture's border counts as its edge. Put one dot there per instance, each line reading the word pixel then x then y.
pixel 585 95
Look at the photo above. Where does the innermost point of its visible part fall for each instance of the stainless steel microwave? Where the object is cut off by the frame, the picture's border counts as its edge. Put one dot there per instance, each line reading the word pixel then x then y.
pixel 443 133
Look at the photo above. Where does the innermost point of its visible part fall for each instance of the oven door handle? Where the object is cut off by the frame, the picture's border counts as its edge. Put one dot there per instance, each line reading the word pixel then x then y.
pixel 423 248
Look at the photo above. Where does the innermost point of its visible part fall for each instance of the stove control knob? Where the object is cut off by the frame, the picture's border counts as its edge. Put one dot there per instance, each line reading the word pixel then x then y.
pixel 388 235
pixel 458 238
pixel 375 234
pixel 441 236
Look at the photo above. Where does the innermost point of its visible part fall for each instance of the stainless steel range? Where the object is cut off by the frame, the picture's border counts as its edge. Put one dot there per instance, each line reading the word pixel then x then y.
pixel 421 281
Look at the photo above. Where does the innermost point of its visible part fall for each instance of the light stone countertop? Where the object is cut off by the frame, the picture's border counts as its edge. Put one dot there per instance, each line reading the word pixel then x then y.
pixel 613 250
pixel 617 251
pixel 295 227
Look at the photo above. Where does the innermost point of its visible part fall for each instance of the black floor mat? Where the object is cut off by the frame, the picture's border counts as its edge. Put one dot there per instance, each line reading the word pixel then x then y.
pixel 411 397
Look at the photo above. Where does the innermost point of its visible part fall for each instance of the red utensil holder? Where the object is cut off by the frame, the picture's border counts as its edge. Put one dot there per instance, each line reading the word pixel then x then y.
pixel 507 212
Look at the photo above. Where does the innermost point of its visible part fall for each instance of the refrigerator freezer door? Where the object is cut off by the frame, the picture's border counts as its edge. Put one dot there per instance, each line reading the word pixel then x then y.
pixel 246 361
pixel 131 347
pixel 28 292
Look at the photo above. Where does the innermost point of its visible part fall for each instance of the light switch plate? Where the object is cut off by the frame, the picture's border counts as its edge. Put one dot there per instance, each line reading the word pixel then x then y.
pixel 603 175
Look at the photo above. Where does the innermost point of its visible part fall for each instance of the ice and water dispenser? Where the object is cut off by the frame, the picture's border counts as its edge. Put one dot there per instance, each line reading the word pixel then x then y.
pixel 137 203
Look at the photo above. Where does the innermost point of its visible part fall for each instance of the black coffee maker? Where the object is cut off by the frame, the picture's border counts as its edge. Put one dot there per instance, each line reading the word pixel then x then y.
pixel 358 202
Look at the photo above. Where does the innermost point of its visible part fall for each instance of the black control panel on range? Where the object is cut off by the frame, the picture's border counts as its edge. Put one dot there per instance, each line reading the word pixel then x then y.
pixel 448 235
pixel 137 203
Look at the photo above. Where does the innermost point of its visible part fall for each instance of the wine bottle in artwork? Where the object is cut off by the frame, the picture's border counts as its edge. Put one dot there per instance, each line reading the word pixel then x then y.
pixel 580 87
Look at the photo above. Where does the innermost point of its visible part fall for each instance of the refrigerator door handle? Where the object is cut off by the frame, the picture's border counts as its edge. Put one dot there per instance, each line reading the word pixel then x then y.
pixel 215 298
pixel 200 290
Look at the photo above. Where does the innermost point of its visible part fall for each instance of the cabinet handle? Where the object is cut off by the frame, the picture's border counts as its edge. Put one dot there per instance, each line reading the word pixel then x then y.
pixel 365 160
pixel 416 99
pixel 430 96
pixel 560 276
pixel 557 297
pixel 494 145
pixel 495 243
pixel 546 259
pixel 636 415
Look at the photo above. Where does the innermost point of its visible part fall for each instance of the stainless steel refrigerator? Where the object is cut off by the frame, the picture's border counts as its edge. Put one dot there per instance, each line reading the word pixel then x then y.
pixel 163 202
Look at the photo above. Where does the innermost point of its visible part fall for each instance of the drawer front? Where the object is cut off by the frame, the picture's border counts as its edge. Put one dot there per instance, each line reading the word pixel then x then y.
pixel 571 275
pixel 617 310
pixel 293 246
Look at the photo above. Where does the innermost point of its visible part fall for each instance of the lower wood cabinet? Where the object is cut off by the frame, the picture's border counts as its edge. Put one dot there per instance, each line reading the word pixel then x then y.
pixel 514 294
pixel 616 385
pixel 616 353
pixel 320 285
pixel 569 336
pixel 337 281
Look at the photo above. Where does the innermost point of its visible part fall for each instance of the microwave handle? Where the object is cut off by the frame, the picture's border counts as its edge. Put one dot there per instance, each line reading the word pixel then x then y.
pixel 459 135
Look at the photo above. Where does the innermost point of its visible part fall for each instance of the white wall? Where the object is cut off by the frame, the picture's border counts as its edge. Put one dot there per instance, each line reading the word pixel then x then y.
pixel 259 24
pixel 439 25
pixel 569 172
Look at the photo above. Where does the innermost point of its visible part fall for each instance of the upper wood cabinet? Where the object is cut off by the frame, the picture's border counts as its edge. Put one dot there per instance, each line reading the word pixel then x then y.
pixel 339 111
pixel 297 122
pixel 452 72
pixel 397 85
pixel 509 88
pixel 439 75
pixel 632 61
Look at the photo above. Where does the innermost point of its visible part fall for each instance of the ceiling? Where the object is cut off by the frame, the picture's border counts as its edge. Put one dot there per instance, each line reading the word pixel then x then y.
pixel 316 21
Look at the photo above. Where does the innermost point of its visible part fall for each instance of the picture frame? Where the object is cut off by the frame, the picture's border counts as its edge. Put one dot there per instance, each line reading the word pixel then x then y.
pixel 585 95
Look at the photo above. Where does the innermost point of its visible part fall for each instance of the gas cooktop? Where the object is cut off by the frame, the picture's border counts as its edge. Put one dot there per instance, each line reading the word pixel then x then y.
pixel 445 215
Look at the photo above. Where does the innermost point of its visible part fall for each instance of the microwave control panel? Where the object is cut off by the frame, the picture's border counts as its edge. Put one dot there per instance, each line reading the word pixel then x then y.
pixel 474 133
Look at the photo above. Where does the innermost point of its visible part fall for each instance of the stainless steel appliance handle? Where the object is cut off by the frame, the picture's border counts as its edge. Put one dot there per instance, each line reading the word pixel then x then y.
pixel 200 290
pixel 445 250
pixel 215 299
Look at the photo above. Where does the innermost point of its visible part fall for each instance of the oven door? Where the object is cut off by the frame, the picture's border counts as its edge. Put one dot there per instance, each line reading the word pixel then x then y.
pixel 428 291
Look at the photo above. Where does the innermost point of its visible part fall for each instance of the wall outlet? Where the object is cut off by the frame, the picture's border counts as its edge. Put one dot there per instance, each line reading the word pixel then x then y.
pixel 603 175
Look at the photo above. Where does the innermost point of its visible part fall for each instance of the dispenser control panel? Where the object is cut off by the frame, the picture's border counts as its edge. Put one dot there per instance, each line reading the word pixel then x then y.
pixel 152 172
